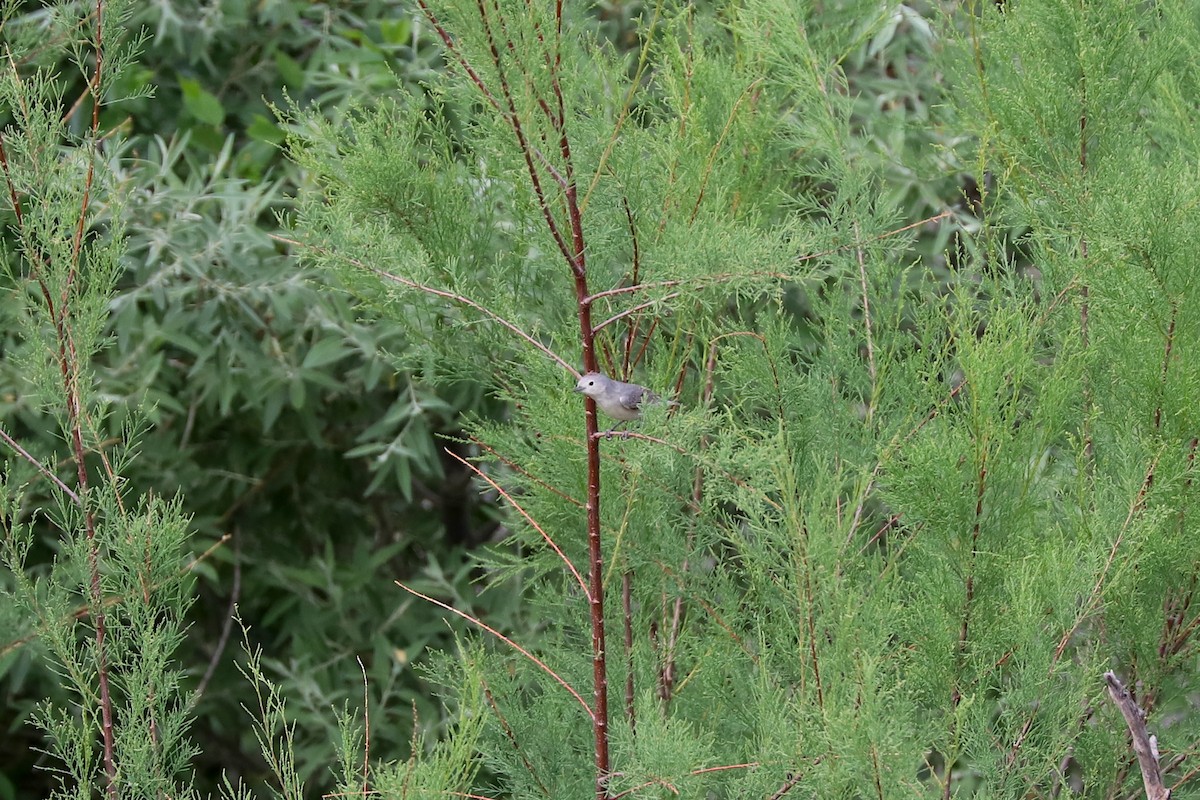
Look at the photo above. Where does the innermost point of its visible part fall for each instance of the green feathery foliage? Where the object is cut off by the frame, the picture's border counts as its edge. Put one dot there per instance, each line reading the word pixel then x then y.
pixel 904 518
pixel 109 609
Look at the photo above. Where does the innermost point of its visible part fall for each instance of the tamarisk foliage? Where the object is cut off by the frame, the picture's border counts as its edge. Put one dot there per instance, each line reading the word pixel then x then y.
pixel 109 611
pixel 908 511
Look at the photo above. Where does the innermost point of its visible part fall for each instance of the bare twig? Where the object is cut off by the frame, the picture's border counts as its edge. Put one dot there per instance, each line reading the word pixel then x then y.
pixel 703 279
pixel 226 627
pixel 21 451
pixel 553 545
pixel 530 656
pixel 458 298
pixel 788 785
pixel 366 785
pixel 599 326
pixel 1145 746
pixel 866 305
pixel 508 462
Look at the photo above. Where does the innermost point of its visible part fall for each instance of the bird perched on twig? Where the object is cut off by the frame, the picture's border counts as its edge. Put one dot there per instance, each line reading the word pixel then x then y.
pixel 621 401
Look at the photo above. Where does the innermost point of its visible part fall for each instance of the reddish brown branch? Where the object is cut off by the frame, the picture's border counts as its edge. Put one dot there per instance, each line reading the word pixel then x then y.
pixel 459 56
pixel 573 252
pixel 512 116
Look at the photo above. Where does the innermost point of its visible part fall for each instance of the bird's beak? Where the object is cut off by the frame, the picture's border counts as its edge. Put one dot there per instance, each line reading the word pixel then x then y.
pixel 576 388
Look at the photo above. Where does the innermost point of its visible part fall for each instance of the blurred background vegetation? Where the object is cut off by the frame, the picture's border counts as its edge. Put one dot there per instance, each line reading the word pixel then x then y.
pixel 295 422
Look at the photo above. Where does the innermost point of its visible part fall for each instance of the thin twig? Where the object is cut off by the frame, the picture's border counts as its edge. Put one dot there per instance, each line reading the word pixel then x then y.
pixel 366 786
pixel 227 626
pixel 704 279
pixel 480 623
pixel 512 739
pixel 458 298
pixel 553 545
pixel 627 608
pixel 521 470
pixel 866 303
pixel 621 315
pixel 1087 608
pixel 21 451
pixel 712 153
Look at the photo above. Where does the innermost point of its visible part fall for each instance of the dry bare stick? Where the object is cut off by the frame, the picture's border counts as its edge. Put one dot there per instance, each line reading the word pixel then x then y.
pixel 69 369
pixel 622 314
pixel 227 626
pixel 366 786
pixel 1145 746
pixel 553 545
pixel 530 656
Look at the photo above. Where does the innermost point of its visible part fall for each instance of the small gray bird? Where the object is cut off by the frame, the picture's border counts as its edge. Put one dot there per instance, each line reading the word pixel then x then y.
pixel 621 401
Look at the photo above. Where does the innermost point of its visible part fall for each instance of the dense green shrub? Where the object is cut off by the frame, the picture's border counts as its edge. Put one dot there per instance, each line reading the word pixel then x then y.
pixel 929 477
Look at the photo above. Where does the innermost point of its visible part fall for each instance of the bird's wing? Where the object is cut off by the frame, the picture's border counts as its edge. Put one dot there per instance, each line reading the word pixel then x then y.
pixel 632 396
